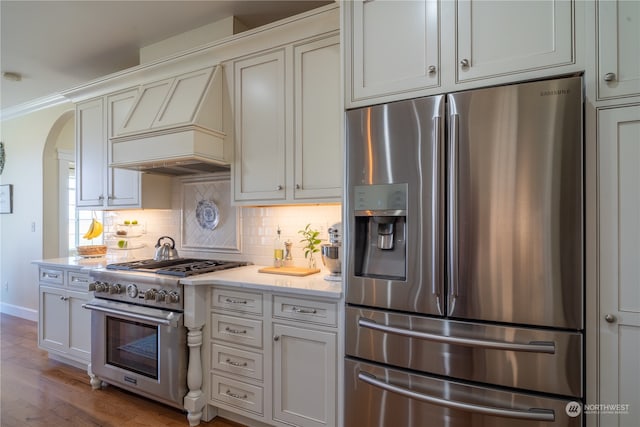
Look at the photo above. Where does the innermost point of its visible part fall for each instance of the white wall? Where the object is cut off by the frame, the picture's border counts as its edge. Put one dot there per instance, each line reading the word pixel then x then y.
pixel 24 138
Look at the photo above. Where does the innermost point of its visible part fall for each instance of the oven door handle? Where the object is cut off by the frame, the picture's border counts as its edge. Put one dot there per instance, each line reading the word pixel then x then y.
pixel 172 319
pixel 534 414
pixel 533 346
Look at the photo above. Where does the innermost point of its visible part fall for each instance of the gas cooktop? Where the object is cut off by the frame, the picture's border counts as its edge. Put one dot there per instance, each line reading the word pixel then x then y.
pixel 180 267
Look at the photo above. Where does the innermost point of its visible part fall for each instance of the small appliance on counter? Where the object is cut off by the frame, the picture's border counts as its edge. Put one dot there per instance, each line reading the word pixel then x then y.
pixel 331 256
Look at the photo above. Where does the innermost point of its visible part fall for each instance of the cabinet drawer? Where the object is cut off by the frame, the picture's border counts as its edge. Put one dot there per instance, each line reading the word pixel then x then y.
pixel 237 393
pixel 50 275
pixel 236 330
pixel 78 281
pixel 324 313
pixel 234 361
pixel 249 302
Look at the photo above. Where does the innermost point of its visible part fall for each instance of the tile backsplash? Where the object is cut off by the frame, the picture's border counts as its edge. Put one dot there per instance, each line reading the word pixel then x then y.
pixel 257 229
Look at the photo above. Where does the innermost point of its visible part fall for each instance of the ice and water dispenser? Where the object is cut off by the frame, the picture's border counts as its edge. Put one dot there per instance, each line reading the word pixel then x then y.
pixel 380 216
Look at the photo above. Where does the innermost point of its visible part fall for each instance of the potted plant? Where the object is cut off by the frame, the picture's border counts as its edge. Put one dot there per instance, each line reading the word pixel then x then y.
pixel 311 241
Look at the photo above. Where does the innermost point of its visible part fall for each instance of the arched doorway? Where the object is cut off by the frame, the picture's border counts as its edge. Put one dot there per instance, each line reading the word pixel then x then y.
pixel 58 156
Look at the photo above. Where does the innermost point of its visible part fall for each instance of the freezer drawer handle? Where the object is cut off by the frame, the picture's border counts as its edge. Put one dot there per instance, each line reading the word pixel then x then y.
pixel 533 347
pixel 533 414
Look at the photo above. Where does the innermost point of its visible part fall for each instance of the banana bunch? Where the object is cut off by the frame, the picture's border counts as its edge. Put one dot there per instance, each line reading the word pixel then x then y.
pixel 95 229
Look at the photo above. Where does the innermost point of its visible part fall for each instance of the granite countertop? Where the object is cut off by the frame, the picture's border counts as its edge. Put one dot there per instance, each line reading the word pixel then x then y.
pixel 249 277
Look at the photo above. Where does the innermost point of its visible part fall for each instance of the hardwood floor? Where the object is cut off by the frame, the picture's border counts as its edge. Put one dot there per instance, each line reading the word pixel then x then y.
pixel 38 391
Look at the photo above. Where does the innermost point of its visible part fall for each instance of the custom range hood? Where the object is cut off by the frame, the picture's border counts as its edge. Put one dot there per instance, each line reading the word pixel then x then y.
pixel 174 127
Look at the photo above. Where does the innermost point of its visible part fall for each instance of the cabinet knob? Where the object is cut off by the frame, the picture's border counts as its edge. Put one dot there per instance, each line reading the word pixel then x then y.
pixel 278 187
pixel 431 69
pixel 276 338
pixel 609 77
pixel 610 318
pixel 464 63
pixel 298 186
pixel 101 197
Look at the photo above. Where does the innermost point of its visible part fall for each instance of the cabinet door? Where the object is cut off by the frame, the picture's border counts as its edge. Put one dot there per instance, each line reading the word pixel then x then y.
pixel 79 343
pixel 90 154
pixel 394 47
pixel 619 316
pixel 260 134
pixel 123 185
pixel 318 115
pixel 304 376
pixel 504 37
pixel 53 321
pixel 618 53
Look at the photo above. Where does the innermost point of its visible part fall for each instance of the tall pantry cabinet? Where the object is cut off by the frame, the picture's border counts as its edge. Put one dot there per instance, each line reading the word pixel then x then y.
pixel 615 92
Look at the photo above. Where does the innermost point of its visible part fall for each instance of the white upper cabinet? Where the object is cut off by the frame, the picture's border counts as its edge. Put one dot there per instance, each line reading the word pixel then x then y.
pixel 90 154
pixel 618 53
pixel 287 113
pixel 502 37
pixel 403 49
pixel 99 186
pixel 123 186
pixel 259 172
pixel 394 47
pixel 318 143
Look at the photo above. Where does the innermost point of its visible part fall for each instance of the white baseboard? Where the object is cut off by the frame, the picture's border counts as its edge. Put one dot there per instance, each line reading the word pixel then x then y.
pixel 17 311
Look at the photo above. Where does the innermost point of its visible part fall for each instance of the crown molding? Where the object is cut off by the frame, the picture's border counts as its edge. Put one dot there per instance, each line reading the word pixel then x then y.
pixel 31 106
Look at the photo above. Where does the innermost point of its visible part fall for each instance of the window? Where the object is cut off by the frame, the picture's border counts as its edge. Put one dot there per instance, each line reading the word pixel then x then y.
pixel 79 219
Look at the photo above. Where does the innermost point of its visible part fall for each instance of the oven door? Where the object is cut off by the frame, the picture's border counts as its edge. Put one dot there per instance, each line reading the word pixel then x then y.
pixel 140 349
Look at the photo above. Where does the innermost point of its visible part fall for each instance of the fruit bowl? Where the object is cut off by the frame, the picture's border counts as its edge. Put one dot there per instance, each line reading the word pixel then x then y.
pixel 92 250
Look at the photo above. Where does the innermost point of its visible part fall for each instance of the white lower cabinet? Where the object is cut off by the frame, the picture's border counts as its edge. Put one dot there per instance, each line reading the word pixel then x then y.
pixel 64 327
pixel 273 358
pixel 304 376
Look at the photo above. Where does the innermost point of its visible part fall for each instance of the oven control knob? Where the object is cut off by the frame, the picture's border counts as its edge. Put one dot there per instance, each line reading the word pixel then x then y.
pixel 160 295
pixel 99 286
pixel 115 289
pixel 172 297
pixel 150 294
pixel 132 291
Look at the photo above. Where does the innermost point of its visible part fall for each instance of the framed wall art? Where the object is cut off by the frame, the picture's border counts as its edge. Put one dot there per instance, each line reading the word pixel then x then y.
pixel 6 198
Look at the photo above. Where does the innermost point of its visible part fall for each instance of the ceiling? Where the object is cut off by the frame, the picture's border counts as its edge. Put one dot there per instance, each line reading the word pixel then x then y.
pixel 56 45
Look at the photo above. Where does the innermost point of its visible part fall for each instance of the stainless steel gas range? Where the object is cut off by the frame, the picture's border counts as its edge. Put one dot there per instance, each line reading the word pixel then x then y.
pixel 138 338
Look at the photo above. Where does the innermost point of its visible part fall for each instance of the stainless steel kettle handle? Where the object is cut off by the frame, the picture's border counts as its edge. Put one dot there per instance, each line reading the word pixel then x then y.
pixel 173 242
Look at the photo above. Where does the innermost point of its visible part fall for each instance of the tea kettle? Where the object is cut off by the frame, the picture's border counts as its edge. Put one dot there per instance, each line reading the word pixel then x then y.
pixel 165 251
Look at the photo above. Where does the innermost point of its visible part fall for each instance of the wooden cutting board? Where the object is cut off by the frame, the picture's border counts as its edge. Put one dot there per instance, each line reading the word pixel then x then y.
pixel 289 271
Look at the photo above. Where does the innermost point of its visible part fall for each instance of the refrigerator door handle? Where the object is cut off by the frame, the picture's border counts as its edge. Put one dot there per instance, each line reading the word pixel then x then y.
pixel 436 192
pixel 453 214
pixel 533 414
pixel 532 347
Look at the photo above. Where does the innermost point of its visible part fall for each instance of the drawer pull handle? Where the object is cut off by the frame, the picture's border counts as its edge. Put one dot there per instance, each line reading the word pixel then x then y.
pixel 303 310
pixel 235 301
pixel 64 298
pixel 236 395
pixel 50 276
pixel 79 280
pixel 234 363
pixel 235 331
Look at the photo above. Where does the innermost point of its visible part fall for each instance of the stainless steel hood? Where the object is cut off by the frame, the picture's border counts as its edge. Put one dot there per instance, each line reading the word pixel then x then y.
pixel 174 127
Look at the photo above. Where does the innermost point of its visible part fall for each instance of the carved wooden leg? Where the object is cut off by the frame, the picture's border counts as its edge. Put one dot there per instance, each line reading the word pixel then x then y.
pixel 195 400
pixel 95 382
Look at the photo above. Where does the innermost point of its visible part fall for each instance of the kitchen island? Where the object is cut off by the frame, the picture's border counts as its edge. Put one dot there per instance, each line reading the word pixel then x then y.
pixel 262 347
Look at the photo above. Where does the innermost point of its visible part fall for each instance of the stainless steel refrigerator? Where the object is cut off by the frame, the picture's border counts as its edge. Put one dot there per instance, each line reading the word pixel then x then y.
pixel 465 266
